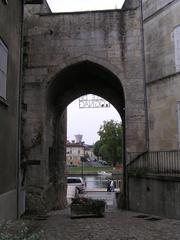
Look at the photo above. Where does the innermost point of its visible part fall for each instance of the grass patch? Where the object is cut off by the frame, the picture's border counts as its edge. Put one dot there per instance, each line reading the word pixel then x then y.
pixel 19 230
pixel 90 170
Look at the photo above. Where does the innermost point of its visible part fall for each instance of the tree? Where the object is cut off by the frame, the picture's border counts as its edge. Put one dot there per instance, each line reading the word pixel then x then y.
pixel 96 148
pixel 110 144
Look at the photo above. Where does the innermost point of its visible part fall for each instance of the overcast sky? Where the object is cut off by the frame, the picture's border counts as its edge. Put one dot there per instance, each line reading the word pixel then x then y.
pixel 86 121
pixel 83 5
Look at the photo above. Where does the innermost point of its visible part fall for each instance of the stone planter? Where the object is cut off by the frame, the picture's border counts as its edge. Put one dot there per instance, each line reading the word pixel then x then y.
pixel 87 208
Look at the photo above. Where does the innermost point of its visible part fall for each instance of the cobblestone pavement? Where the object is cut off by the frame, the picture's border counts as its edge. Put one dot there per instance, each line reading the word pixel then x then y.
pixel 116 225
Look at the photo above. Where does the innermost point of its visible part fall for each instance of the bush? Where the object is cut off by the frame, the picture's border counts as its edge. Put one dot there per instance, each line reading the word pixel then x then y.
pixel 87 207
pixel 88 201
pixel 18 231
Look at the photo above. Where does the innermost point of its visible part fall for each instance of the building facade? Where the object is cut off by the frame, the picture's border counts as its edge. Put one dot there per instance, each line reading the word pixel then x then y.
pixel 10 65
pixel 157 191
pixel 74 153
pixel 130 57
pixel 90 153
pixel 161 21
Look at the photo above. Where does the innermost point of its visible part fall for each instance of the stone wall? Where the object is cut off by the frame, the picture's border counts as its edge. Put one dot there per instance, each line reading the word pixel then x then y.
pixel 159 195
pixel 152 7
pixel 160 20
pixel 10 34
pixel 56 40
pixel 67 55
pixel 155 196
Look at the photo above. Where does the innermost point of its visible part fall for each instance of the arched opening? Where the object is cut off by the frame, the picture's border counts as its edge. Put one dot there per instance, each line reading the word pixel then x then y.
pixel 80 5
pixel 85 77
pixel 86 115
pixel 93 149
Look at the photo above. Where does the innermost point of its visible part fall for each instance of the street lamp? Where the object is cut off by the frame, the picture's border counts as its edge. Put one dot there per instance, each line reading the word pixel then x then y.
pixel 82 159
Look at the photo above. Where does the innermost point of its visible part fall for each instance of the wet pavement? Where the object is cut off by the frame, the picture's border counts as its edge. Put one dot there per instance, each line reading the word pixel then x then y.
pixel 116 225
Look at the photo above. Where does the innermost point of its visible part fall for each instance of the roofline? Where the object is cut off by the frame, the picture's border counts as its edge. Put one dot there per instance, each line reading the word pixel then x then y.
pixel 74 145
pixel 82 12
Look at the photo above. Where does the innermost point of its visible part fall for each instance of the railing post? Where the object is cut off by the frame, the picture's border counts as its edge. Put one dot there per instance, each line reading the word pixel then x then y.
pixel 157 159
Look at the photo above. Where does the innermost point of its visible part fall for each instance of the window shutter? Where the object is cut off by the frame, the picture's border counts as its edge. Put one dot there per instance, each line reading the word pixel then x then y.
pixel 3 69
pixel 178 111
pixel 177 47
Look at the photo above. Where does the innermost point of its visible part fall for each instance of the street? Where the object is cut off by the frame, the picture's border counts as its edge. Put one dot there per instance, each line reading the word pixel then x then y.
pixel 116 225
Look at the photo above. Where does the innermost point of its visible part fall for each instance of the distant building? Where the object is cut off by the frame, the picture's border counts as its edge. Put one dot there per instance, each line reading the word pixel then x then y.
pixel 89 152
pixel 74 152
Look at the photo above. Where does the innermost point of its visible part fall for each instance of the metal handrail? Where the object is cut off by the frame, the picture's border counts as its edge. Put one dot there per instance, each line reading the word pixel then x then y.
pixel 157 162
pixel 137 157
pixel 117 182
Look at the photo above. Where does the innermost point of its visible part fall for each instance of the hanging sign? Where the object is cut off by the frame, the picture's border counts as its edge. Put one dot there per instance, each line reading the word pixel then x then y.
pixel 93 101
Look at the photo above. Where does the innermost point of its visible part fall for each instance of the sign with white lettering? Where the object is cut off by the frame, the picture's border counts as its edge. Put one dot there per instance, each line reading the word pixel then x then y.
pixel 33 1
pixel 93 101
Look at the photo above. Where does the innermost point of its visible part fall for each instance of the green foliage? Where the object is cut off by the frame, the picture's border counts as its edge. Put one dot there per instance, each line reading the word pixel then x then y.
pixel 96 148
pixel 88 169
pixel 85 207
pixel 9 231
pixel 89 201
pixel 109 147
pixel 84 159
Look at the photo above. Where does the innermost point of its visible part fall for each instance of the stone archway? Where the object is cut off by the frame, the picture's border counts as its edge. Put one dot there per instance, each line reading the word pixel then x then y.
pixel 80 78
pixel 65 56
pixel 46 181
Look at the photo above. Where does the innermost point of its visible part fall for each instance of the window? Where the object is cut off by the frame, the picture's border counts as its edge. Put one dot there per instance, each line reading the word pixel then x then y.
pixel 3 69
pixel 74 180
pixel 177 47
pixel 178 111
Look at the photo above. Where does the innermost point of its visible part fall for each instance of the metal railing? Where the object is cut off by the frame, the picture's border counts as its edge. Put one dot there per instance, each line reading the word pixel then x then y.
pixel 102 183
pixel 157 162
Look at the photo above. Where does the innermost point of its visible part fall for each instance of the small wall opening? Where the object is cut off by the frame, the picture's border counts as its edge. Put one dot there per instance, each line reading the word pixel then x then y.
pixel 91 156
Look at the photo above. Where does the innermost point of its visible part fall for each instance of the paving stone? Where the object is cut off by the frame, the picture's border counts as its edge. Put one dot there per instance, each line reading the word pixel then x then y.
pixel 116 225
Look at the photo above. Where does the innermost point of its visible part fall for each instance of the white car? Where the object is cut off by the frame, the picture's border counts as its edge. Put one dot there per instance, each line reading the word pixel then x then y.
pixel 78 182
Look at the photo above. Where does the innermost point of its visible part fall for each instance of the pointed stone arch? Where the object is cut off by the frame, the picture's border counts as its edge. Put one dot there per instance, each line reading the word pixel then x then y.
pixel 56 71
pixel 63 45
pixel 69 81
pixel 118 71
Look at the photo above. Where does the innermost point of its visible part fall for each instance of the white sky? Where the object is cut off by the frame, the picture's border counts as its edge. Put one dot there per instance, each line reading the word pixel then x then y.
pixel 86 121
pixel 83 5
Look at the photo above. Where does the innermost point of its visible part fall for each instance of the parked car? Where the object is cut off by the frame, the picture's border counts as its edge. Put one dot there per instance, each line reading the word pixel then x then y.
pixel 78 182
pixel 103 162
